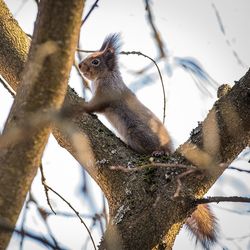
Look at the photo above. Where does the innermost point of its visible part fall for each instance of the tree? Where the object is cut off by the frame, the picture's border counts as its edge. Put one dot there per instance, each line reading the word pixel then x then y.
pixel 140 199
pixel 52 47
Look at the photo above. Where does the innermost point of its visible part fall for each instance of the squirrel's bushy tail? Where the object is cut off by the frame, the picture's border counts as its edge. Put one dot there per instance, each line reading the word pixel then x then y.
pixel 203 226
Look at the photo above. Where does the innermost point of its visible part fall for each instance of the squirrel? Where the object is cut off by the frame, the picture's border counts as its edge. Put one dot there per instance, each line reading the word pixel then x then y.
pixel 138 127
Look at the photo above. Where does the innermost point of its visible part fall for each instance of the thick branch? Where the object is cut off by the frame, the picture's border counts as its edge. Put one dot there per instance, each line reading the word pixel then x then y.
pixel 225 132
pixel 42 89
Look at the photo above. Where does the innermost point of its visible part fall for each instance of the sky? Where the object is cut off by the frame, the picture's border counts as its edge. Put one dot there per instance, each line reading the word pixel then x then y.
pixel 213 34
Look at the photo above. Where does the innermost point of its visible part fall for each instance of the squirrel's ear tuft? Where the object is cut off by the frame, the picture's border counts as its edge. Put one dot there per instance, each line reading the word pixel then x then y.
pixel 112 42
pixel 110 49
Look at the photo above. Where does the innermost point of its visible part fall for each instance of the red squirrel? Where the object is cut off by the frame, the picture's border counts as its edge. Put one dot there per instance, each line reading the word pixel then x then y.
pixel 138 127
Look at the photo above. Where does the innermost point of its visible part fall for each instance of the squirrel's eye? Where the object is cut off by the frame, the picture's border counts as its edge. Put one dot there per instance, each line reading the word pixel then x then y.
pixel 96 62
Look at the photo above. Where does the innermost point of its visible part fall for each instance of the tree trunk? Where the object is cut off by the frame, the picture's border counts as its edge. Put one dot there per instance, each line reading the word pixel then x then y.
pixel 42 89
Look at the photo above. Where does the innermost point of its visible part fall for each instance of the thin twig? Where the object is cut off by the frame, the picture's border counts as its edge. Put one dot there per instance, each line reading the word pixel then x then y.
pixel 23 223
pixel 159 72
pixel 144 69
pixel 86 51
pixel 223 31
pixel 76 212
pixel 155 31
pixel 247 212
pixel 218 199
pixel 104 210
pixel 238 238
pixel 152 165
pixel 91 9
pixel 46 188
pixel 101 224
pixel 178 179
pixel 29 35
pixel 8 87
pixel 8 228
pixel 44 217
pixel 239 169
pixel 87 241
pixel 20 7
pixel 43 179
pixel 66 214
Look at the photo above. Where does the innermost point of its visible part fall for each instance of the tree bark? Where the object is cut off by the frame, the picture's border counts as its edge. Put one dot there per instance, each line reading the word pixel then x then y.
pixel 42 88
pixel 12 42
pixel 142 207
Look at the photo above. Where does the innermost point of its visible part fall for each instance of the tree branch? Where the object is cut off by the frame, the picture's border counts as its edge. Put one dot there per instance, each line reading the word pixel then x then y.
pixel 7 87
pixel 219 199
pixel 7 228
pixel 76 212
pixel 42 89
pixel 239 169
pixel 156 33
pixel 90 11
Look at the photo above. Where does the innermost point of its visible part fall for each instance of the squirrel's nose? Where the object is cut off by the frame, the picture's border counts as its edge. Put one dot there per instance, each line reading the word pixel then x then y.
pixel 80 65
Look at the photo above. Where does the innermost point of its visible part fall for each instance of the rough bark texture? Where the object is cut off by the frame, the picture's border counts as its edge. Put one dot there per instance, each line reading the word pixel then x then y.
pixel 14 43
pixel 42 89
pixel 142 208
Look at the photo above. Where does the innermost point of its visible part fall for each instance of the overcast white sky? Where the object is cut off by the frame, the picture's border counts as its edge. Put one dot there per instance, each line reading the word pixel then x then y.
pixel 189 29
